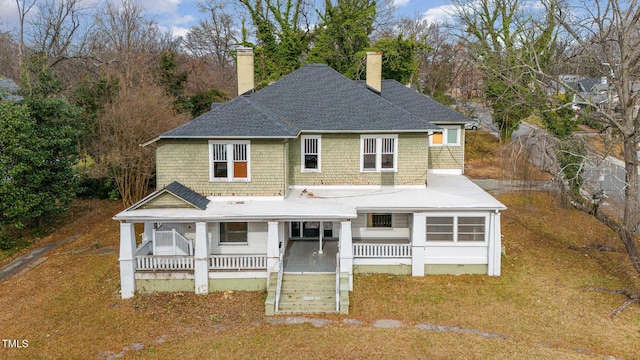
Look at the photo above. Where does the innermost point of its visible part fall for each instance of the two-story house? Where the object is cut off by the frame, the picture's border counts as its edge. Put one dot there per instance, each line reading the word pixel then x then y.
pixel 306 182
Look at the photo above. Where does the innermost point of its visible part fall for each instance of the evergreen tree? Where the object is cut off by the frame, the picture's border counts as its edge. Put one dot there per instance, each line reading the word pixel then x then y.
pixel 343 33
pixel 38 148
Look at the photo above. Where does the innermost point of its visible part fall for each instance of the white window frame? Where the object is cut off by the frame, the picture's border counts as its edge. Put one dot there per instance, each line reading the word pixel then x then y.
pixel 303 152
pixel 455 240
pixel 379 151
pixel 445 135
pixel 229 151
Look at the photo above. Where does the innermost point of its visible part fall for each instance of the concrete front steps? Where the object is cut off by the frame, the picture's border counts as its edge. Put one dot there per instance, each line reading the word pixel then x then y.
pixel 310 293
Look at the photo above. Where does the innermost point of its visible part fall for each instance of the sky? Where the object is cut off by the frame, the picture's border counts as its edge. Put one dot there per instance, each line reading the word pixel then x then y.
pixel 179 15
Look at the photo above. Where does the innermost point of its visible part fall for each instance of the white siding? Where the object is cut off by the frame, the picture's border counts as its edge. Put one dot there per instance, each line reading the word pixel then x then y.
pixel 257 240
pixel 400 228
pixel 458 254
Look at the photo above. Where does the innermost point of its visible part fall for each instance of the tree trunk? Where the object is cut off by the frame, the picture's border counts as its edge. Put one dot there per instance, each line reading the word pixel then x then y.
pixel 630 217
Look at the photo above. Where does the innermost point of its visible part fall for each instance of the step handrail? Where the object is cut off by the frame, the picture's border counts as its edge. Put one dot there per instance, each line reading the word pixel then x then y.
pixel 174 239
pixel 337 282
pixel 279 284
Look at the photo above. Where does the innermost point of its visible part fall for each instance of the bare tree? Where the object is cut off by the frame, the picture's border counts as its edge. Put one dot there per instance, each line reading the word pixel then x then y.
pixel 123 38
pixel 24 7
pixel 498 35
pixel 603 33
pixel 55 28
pixel 8 56
pixel 606 33
pixel 136 116
pixel 214 37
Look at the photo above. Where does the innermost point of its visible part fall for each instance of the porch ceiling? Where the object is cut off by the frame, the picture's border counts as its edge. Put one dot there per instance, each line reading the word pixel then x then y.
pixel 444 192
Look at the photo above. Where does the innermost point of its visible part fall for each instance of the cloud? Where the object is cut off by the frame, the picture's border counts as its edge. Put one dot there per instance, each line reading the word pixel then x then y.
pixel 179 31
pixel 161 6
pixel 399 3
pixel 9 19
pixel 440 14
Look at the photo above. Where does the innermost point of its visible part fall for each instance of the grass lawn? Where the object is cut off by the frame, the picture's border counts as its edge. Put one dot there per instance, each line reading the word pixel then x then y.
pixel 545 303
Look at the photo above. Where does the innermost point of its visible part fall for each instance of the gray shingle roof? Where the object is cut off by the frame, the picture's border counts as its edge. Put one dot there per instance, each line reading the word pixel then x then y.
pixel 188 195
pixel 178 190
pixel 316 98
pixel 419 104
pixel 240 117
pixel 8 90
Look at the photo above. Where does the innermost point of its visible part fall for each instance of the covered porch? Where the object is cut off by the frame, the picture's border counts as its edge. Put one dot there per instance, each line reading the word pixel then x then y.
pixel 323 230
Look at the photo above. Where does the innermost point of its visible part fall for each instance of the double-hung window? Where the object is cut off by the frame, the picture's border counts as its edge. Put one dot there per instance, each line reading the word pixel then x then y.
pixel 311 153
pixel 234 233
pixel 229 160
pixel 456 228
pixel 449 136
pixel 378 152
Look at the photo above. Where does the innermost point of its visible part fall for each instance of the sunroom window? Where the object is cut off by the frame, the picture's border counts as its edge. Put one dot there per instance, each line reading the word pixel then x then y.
pixel 456 228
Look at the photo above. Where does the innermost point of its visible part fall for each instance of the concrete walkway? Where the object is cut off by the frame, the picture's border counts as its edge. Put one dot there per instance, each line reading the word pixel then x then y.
pixel 32 259
pixel 385 324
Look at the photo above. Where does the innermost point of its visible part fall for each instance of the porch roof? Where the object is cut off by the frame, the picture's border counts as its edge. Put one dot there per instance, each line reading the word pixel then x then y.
pixel 443 193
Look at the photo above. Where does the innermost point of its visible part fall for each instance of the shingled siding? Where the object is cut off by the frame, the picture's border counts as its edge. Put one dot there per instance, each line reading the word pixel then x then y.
pixel 187 161
pixel 340 162
pixel 447 157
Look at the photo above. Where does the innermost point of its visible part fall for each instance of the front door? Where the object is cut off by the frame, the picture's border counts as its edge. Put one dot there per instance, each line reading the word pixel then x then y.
pixel 310 229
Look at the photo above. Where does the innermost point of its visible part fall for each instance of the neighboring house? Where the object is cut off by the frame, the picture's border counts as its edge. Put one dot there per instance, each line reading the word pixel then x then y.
pixel 594 90
pixel 9 90
pixel 297 186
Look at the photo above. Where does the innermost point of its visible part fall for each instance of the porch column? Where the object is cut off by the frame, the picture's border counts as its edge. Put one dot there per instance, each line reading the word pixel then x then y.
pixel 320 234
pixel 127 260
pixel 495 245
pixel 201 259
pixel 273 247
pixel 418 242
pixel 346 251
pixel 148 231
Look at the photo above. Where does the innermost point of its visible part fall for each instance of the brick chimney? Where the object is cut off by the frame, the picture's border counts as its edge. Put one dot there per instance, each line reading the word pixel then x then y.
pixel 374 71
pixel 245 70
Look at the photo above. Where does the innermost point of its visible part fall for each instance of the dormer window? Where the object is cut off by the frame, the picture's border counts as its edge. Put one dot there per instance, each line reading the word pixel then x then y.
pixel 229 160
pixel 378 152
pixel 311 153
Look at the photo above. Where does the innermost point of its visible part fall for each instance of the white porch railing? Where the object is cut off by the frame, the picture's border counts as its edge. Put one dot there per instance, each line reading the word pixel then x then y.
pixel 279 284
pixel 171 262
pixel 145 248
pixel 173 240
pixel 238 262
pixel 381 250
